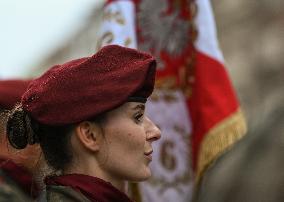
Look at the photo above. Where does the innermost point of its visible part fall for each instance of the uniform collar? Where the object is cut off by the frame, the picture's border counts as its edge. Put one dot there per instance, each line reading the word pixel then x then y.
pixel 93 188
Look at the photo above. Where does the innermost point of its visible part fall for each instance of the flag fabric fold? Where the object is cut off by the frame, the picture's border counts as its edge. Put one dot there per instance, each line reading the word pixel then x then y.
pixel 217 118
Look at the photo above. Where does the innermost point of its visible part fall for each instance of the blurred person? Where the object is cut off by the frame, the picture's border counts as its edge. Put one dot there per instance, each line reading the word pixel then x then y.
pixel 253 169
pixel 17 169
pixel 88 117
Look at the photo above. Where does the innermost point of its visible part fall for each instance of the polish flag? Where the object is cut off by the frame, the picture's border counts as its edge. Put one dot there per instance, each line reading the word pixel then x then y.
pixel 194 102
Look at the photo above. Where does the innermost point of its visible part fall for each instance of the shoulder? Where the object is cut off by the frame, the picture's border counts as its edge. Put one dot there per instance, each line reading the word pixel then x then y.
pixel 62 194
pixel 10 192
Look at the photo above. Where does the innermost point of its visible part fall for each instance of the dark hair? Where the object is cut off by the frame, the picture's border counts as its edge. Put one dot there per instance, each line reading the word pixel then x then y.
pixel 54 140
pixel 22 130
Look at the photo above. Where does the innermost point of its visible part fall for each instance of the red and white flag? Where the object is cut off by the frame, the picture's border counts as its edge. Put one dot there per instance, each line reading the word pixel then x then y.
pixel 194 103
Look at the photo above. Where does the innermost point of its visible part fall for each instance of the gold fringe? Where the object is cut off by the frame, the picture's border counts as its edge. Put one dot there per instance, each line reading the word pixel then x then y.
pixel 218 140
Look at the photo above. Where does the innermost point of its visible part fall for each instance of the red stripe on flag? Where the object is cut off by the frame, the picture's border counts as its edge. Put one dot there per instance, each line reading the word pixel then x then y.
pixel 212 100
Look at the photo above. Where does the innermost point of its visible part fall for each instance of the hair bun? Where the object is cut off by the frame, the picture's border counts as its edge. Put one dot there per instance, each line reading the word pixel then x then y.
pixel 19 130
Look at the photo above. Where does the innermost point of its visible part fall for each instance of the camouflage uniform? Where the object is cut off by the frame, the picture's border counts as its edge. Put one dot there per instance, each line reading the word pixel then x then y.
pixel 62 194
pixel 10 190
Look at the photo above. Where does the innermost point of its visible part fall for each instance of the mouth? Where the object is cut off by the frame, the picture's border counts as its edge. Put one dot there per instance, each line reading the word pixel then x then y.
pixel 148 155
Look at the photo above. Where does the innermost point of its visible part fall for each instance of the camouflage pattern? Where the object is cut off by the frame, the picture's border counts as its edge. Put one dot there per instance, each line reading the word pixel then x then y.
pixel 10 191
pixel 62 194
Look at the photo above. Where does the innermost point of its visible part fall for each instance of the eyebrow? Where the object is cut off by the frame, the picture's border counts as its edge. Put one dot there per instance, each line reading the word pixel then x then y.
pixel 139 106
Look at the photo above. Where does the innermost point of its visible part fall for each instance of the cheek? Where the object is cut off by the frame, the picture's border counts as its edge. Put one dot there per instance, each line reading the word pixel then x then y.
pixel 126 142
pixel 125 154
pixel 30 155
pixel 135 139
pixel 32 151
pixel 126 131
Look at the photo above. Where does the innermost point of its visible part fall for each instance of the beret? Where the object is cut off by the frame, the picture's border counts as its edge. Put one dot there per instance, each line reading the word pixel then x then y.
pixel 80 89
pixel 11 92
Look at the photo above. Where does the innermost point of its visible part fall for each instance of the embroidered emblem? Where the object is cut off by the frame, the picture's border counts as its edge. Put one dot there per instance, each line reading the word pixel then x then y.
pixel 163 29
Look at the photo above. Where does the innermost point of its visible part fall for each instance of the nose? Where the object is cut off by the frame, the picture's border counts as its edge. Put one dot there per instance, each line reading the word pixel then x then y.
pixel 152 131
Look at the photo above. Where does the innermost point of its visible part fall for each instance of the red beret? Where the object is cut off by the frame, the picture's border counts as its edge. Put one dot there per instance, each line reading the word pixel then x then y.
pixel 11 92
pixel 81 89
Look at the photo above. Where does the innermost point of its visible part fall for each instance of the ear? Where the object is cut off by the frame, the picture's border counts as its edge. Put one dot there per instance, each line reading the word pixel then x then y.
pixel 89 134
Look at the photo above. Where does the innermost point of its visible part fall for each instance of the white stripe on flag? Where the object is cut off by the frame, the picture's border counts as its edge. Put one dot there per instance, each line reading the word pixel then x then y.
pixel 207 37
pixel 118 25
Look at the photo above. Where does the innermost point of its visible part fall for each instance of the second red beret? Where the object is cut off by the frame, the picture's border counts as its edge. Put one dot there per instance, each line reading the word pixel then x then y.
pixel 11 92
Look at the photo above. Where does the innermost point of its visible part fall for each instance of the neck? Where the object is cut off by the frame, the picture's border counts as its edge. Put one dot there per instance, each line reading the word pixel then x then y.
pixel 92 169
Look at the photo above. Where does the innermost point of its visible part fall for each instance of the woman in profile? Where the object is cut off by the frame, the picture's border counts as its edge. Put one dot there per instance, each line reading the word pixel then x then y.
pixel 88 117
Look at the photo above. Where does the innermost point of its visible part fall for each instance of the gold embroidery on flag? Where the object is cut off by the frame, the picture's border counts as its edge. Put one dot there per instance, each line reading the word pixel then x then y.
pixel 168 159
pixel 218 140
pixel 168 82
pixel 106 38
pixel 116 16
pixel 167 96
pixel 127 41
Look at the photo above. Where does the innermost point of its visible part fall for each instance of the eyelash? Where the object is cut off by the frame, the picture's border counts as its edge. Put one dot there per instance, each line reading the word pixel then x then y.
pixel 138 117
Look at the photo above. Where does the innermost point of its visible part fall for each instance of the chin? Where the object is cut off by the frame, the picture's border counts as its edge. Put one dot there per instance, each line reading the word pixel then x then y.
pixel 145 175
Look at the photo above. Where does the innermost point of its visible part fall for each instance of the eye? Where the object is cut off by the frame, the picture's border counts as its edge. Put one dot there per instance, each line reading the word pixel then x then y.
pixel 138 117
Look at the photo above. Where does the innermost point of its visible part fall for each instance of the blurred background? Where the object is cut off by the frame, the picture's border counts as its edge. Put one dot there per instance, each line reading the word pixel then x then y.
pixel 37 34
pixel 251 36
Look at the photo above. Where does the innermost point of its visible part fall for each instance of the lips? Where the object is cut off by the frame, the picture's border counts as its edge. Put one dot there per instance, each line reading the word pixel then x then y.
pixel 148 153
